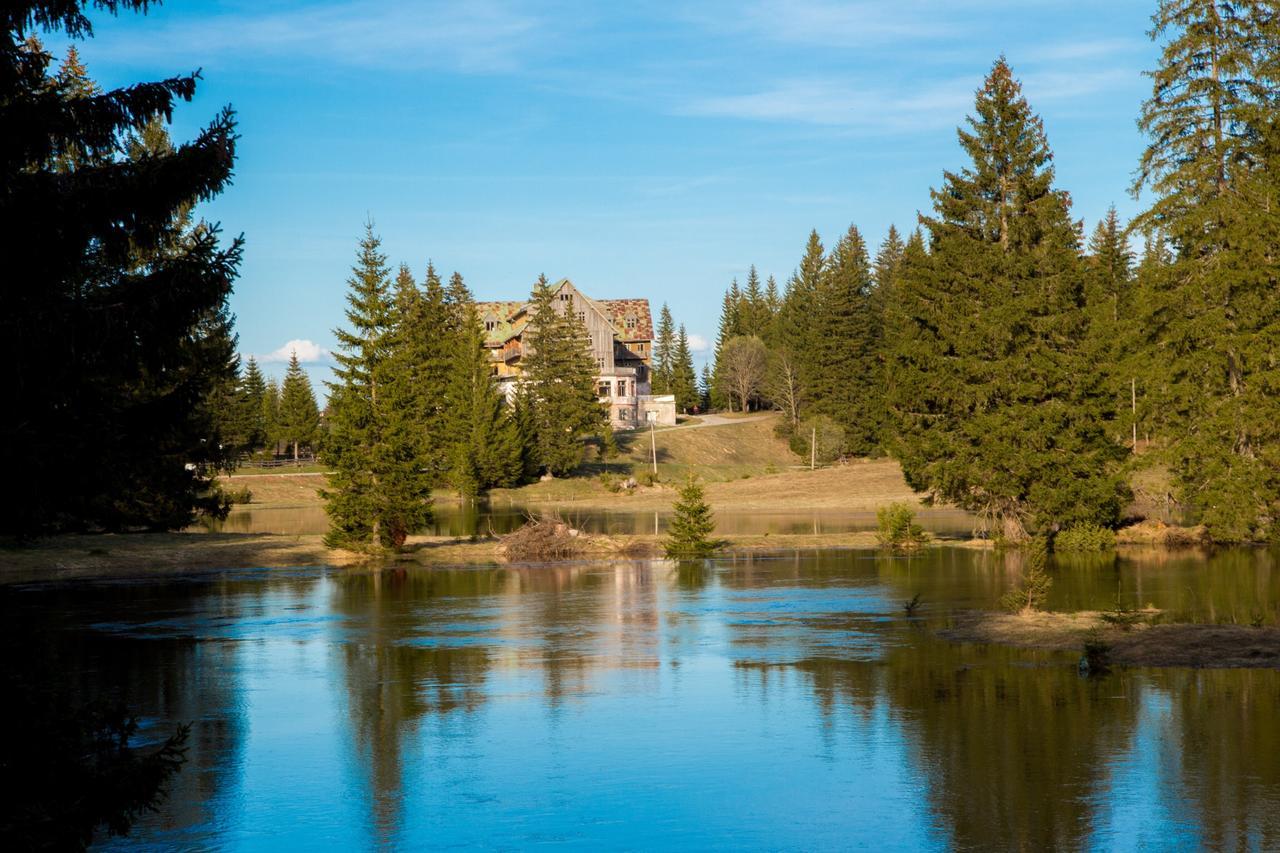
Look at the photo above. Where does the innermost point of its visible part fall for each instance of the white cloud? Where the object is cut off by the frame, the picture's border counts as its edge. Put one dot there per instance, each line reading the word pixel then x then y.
pixel 697 343
pixel 308 351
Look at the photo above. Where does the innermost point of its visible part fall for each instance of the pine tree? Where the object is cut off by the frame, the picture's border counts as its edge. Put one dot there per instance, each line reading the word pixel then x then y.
pixel 299 416
pixel 689 533
pixel 704 389
pixel 486 450
pixel 996 407
pixel 796 331
pixel 887 260
pixel 562 382
pixel 379 492
pixel 253 393
pixel 754 311
pixel 1210 318
pixel 424 340
pixel 119 332
pixel 845 354
pixel 663 353
pixel 772 302
pixel 1109 303
pixel 271 415
pixel 684 381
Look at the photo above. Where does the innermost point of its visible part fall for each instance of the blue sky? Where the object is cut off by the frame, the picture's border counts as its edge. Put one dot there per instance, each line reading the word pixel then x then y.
pixel 641 149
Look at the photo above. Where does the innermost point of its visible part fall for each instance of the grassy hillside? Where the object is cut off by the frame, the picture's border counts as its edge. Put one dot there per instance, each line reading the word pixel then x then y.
pixel 715 453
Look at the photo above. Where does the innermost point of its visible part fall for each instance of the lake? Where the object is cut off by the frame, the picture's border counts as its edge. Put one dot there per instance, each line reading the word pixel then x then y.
pixel 770 702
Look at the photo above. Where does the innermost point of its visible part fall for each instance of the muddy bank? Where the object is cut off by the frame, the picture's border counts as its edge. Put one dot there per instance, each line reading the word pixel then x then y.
pixel 1191 645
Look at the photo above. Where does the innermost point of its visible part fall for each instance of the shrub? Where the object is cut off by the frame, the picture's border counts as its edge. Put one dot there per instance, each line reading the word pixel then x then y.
pixel 1085 537
pixel 611 482
pixel 689 534
pixel 1122 617
pixel 829 439
pixel 647 478
pixel 1030 594
pixel 241 495
pixel 897 526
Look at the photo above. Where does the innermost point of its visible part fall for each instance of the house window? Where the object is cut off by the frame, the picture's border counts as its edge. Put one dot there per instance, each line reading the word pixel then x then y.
pixel 624 415
pixel 622 387
pixel 565 297
pixel 600 363
pixel 582 316
pixel 631 322
pixel 604 390
pixel 489 324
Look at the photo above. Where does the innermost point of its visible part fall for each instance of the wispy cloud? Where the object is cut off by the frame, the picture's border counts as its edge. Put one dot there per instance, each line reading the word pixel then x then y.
pixel 479 36
pixel 308 352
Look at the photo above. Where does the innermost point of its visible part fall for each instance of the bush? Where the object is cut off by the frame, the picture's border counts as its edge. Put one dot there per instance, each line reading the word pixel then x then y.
pixel 1033 590
pixel 897 526
pixel 647 478
pixel 1122 617
pixel 829 439
pixel 241 495
pixel 611 482
pixel 1085 537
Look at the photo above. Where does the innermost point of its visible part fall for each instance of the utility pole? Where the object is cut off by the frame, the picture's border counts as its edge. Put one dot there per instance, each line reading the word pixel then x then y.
pixel 813 447
pixel 653 445
pixel 1133 399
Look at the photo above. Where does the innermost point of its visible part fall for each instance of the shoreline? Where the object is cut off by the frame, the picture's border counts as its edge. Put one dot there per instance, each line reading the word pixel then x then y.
pixel 1193 645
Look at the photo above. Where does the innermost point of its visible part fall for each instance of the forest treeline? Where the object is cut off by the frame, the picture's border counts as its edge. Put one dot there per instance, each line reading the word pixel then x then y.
pixel 1015 366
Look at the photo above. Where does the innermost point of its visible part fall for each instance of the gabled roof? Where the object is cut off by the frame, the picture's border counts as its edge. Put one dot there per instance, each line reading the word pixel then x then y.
pixel 513 317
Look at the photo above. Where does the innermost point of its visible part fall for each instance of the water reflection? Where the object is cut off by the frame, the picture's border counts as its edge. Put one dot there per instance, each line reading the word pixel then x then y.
pixel 761 701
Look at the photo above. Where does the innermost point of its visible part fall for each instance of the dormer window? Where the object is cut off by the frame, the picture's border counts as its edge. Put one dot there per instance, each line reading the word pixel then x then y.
pixel 630 322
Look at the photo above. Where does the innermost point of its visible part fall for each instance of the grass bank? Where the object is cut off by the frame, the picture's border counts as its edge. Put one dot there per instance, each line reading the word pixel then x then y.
pixel 1190 645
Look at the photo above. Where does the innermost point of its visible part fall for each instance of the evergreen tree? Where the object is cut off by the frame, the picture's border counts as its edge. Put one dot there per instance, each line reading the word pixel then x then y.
pixel 772 302
pixel 996 406
pixel 754 312
pixel 379 492
pixel 887 260
pixel 795 331
pixel 486 450
pixel 253 393
pixel 844 379
pixel 423 348
pixel 271 415
pixel 299 416
pixel 119 333
pixel 684 381
pixel 664 353
pixel 1211 319
pixel 562 382
pixel 689 533
pixel 1110 307
pixel 704 389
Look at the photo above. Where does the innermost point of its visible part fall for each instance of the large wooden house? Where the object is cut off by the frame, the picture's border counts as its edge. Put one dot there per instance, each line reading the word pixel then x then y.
pixel 621 332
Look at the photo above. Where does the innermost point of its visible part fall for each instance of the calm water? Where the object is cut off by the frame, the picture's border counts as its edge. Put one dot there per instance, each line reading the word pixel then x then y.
pixel 779 702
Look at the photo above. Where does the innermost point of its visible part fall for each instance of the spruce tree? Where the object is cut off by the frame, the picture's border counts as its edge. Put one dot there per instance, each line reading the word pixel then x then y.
pixel 486 445
pixel 271 415
pixel 689 533
pixel 379 492
pixel 561 377
pixel 299 417
pixel 772 304
pixel 663 353
pixel 253 393
pixel 119 332
pixel 997 409
pixel 1210 317
pixel 684 381
pixel 795 331
pixel 754 312
pixel 424 342
pixel 845 355
pixel 1110 305
pixel 704 388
